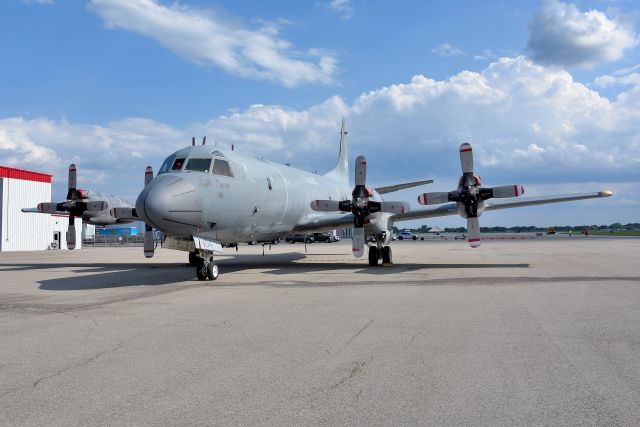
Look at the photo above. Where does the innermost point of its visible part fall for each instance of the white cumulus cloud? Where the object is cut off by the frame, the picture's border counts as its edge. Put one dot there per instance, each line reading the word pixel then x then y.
pixel 528 124
pixel 206 38
pixel 561 34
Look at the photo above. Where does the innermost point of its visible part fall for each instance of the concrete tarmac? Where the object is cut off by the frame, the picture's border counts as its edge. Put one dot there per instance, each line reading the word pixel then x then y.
pixel 539 332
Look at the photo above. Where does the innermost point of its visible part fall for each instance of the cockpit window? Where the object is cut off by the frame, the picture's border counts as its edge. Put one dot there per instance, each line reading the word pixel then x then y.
pixel 166 165
pixel 221 167
pixel 200 165
pixel 177 165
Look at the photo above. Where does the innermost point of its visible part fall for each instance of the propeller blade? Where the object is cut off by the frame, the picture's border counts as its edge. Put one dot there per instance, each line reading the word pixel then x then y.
pixel 508 191
pixel 73 178
pixel 71 233
pixel 325 205
pixel 473 232
pixel 123 213
pixel 358 242
pixel 361 170
pixel 394 207
pixel 466 158
pixel 148 241
pixel 434 198
pixel 97 206
pixel 50 208
pixel 148 175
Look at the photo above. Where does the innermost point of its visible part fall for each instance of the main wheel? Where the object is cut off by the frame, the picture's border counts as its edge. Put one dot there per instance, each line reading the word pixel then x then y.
pixel 400 237
pixel 373 256
pixel 212 271
pixel 201 271
pixel 387 257
pixel 414 238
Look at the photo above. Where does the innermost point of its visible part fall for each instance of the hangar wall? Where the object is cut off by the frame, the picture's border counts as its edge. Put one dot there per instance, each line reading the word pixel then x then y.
pixel 20 231
pixel 20 189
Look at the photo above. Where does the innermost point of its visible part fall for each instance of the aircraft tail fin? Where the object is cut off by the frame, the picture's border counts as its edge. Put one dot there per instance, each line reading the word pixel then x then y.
pixel 341 171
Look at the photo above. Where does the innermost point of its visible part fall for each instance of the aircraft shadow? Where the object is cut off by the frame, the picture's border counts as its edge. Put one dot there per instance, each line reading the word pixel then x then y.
pixel 82 276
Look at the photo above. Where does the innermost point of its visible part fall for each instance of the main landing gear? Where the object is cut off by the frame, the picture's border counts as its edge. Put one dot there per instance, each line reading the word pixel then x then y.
pixel 205 267
pixel 380 252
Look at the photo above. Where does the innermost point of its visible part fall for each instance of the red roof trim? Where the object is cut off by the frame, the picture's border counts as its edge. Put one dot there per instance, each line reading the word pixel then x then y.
pixel 26 175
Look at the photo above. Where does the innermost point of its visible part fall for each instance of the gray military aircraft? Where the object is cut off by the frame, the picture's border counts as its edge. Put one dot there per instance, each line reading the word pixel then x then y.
pixel 204 197
pixel 93 207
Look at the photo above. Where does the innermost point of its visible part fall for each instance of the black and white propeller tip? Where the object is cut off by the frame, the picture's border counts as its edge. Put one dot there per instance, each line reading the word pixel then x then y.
pixel 470 195
pixel 360 205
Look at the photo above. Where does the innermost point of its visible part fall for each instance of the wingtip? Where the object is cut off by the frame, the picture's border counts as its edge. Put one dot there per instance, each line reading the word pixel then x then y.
pixel 606 193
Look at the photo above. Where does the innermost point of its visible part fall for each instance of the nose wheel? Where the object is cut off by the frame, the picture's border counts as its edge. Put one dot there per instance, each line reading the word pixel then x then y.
pixel 380 252
pixel 207 269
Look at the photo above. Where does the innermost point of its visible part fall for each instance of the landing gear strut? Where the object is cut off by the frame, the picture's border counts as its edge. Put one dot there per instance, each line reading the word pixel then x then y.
pixel 206 268
pixel 380 252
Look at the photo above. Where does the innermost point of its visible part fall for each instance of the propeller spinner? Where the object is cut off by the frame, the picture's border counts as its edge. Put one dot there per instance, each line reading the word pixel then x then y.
pixel 361 206
pixel 470 195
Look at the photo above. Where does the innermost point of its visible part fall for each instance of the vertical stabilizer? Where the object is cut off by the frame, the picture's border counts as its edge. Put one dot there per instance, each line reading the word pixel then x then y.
pixel 341 171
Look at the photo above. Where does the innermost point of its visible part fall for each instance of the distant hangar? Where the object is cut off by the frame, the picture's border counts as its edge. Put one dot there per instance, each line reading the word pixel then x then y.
pixel 21 231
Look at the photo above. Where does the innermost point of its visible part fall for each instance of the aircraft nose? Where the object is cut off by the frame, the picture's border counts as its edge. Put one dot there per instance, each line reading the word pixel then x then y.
pixel 171 204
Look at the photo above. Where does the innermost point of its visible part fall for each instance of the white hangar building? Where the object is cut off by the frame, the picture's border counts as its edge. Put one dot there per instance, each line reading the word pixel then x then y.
pixel 21 231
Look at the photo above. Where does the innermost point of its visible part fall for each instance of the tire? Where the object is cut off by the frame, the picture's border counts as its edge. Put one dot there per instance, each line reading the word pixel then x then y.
pixel 201 272
pixel 373 256
pixel 414 238
pixel 212 271
pixel 387 256
pixel 400 238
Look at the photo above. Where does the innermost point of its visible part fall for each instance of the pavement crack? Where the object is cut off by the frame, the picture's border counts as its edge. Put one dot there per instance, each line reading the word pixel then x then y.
pixel 355 370
pixel 359 332
pixel 80 364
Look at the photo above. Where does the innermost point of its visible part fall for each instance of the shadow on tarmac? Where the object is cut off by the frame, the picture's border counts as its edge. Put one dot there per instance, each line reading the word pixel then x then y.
pixel 115 275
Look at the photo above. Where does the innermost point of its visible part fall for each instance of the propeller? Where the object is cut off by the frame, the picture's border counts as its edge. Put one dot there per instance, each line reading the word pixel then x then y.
pixel 76 205
pixel 149 246
pixel 470 195
pixel 361 206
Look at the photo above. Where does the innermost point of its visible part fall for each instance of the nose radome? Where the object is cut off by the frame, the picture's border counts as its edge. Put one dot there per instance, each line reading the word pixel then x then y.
pixel 171 204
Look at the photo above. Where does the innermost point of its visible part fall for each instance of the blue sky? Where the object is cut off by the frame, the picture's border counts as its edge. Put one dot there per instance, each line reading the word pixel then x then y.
pixel 548 92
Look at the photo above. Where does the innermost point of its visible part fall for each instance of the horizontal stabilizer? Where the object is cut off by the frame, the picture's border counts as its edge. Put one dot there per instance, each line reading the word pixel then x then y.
pixel 398 187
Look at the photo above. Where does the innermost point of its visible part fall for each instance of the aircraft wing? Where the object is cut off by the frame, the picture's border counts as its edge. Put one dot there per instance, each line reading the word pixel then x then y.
pixel 398 187
pixel 452 208
pixel 541 200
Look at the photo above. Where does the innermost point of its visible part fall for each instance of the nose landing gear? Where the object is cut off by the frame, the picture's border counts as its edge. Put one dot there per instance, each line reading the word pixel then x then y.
pixel 380 252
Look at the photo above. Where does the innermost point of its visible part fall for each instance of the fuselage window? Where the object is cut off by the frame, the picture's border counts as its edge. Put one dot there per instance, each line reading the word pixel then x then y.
pixel 200 165
pixel 166 165
pixel 177 165
pixel 221 167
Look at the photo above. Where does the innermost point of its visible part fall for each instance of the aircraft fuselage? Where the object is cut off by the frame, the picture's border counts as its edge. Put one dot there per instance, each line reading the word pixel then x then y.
pixel 230 197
